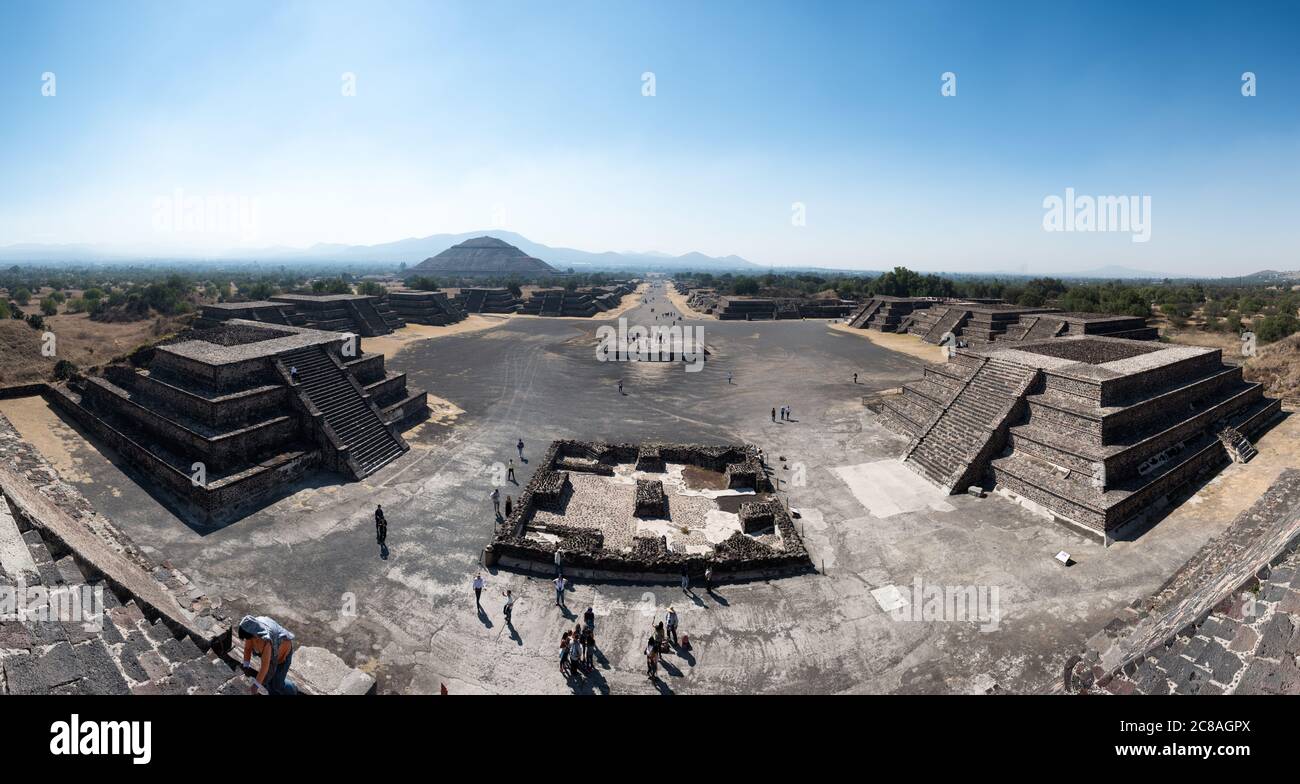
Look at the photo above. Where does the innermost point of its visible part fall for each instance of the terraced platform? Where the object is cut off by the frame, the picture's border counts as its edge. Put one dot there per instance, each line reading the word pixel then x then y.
pixel 1096 430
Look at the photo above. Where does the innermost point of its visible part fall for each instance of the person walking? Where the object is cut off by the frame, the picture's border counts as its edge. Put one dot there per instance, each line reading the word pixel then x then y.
pixel 479 584
pixel 670 620
pixel 589 618
pixel 855 378
pixel 559 591
pixel 686 580
pixel 510 471
pixel 774 415
pixel 508 506
pixel 381 525
pixel 520 447
pixel 659 634
pixel 728 376
pixel 708 578
pixel 496 502
pixel 620 386
pixel 509 605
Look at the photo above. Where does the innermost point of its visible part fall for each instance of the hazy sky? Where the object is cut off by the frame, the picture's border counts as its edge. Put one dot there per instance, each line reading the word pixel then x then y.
pixel 532 117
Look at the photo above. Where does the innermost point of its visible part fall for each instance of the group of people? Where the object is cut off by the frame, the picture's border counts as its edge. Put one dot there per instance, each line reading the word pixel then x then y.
pixel 785 412
pixel 510 477
pixel 578 647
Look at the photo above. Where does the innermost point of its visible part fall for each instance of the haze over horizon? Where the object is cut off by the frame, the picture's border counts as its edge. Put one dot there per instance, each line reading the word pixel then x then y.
pixel 534 120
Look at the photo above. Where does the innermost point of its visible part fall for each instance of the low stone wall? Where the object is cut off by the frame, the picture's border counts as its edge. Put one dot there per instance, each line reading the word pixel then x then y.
pixel 1191 635
pixel 740 557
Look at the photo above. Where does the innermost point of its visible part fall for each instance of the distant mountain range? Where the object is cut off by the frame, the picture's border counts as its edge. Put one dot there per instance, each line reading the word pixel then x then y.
pixel 412 251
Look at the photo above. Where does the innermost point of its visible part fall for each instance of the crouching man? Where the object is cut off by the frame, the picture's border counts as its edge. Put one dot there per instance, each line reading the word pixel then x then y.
pixel 274 646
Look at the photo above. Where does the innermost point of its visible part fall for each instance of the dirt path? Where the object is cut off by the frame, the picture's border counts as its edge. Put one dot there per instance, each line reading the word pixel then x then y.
pixel 903 343
pixel 679 302
pixel 390 345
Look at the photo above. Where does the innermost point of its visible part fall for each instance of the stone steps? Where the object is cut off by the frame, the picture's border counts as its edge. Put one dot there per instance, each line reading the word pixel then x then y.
pixel 356 424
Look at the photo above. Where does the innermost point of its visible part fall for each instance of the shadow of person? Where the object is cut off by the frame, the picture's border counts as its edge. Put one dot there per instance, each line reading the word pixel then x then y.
pixel 686 656
pixel 600 659
pixel 719 598
pixel 589 682
pixel 483 618
pixel 661 686
pixel 514 633
pixel 568 614
pixel 669 668
pixel 383 551
pixel 695 598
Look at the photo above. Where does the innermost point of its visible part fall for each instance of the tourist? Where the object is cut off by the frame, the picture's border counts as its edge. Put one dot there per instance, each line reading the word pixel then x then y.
pixel 588 647
pixel 293 374
pixel 708 578
pixel 273 645
pixel 510 471
pixel 520 447
pixel 478 589
pixel 589 618
pixel 728 376
pixel 659 634
pixel 381 525
pixel 620 386
pixel 509 605
pixel 651 659
pixel 855 378
pixel 686 580
pixel 575 651
pixel 564 655
pixel 671 620
pixel 496 502
pixel 559 591
pixel 774 415
pixel 789 413
pixel 508 506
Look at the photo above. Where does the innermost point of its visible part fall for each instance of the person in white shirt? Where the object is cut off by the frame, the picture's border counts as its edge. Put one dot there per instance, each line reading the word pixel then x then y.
pixel 559 591
pixel 479 584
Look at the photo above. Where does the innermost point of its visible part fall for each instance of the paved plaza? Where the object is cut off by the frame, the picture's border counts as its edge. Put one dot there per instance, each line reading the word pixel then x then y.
pixel 877 533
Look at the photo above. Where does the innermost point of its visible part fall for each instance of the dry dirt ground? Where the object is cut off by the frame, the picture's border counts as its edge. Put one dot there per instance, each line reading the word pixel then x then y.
pixel 84 342
pixel 910 345
pixel 1277 366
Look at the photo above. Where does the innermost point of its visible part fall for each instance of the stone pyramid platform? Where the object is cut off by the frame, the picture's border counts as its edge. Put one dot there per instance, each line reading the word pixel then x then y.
pixel 1097 431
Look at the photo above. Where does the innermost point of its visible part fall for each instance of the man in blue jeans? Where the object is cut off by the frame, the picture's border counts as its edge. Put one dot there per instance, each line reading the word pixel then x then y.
pixel 273 645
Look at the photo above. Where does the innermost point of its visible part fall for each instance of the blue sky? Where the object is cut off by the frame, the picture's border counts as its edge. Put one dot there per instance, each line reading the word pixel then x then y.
pixel 531 117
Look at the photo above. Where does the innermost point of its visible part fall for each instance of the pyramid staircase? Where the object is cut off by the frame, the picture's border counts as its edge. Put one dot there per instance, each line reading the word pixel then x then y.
pixel 948 322
pixel 356 423
pixel 954 448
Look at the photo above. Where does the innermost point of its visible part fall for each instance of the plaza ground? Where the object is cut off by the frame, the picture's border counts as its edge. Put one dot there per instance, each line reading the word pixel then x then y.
pixel 407 615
